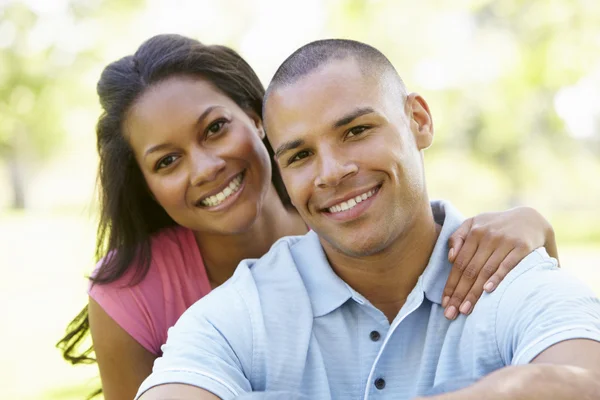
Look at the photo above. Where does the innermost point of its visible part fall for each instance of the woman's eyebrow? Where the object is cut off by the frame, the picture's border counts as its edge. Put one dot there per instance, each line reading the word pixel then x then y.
pixel 199 121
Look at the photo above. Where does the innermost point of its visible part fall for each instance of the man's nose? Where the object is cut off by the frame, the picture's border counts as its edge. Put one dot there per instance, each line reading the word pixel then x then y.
pixel 333 169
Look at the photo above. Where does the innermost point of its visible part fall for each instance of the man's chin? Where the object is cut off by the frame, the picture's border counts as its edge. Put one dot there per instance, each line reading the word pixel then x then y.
pixel 355 247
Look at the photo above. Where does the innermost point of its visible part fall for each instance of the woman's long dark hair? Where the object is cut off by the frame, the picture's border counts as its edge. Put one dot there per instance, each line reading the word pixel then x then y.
pixel 129 216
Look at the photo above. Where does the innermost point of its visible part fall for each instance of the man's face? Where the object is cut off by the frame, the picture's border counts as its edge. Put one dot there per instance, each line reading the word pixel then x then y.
pixel 349 150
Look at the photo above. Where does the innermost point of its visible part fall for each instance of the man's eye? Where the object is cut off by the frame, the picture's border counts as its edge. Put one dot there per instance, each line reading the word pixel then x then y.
pixel 357 130
pixel 165 162
pixel 216 127
pixel 299 156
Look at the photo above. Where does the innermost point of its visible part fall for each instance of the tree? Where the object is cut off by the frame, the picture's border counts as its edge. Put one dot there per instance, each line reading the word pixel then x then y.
pixel 42 76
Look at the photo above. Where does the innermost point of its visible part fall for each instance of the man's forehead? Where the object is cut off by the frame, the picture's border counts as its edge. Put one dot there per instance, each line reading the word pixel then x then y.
pixel 320 96
pixel 330 77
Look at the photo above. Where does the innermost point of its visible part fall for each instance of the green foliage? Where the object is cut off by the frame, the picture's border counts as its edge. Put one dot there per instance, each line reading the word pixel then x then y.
pixel 28 94
pixel 46 55
pixel 41 72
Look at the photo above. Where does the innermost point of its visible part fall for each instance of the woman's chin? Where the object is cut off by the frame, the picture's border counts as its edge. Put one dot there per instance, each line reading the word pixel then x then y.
pixel 235 224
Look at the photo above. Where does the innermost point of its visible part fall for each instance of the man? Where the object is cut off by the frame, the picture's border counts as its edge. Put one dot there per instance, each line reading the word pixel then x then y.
pixel 352 309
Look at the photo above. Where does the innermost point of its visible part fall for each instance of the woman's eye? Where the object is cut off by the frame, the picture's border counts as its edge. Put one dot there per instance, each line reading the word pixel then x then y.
pixel 165 162
pixel 299 156
pixel 215 127
pixel 357 130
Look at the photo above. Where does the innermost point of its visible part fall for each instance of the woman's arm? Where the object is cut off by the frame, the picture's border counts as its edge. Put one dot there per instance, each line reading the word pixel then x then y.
pixel 123 362
pixel 485 248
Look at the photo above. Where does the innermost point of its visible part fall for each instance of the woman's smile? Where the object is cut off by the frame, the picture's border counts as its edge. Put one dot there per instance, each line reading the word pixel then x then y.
pixel 223 198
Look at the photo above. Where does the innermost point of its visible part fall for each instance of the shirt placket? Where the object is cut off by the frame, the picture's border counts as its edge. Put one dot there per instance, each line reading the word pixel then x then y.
pixel 373 327
pixel 376 381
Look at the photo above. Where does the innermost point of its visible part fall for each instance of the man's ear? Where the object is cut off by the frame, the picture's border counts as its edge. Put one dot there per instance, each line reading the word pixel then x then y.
pixel 420 121
pixel 257 123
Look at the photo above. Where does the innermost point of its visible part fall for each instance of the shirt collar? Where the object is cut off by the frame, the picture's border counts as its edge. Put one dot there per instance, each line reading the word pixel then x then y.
pixel 438 268
pixel 326 290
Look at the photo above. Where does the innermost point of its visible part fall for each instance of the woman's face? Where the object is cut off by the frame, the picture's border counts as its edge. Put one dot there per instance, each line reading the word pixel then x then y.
pixel 202 156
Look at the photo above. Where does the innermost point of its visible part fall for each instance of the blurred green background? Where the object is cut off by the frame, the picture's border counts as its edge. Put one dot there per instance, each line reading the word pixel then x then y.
pixel 513 85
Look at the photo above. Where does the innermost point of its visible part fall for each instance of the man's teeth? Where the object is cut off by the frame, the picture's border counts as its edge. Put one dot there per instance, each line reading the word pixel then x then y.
pixel 220 197
pixel 346 205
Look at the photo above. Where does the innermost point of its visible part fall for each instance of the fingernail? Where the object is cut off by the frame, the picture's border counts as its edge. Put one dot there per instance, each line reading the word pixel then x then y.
pixel 465 307
pixel 451 254
pixel 450 313
pixel 445 301
pixel 489 286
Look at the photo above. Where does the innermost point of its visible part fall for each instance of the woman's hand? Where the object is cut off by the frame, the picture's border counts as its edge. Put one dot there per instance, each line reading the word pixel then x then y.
pixel 485 248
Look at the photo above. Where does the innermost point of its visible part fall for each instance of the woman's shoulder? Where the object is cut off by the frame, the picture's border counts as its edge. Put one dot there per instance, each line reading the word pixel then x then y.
pixel 172 249
pixel 175 269
pixel 175 279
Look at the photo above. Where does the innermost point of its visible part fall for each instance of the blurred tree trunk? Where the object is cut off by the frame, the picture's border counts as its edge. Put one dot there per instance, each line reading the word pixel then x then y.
pixel 17 181
pixel 11 152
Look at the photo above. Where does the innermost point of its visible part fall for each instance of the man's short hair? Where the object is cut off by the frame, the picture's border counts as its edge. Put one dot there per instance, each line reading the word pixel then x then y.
pixel 318 53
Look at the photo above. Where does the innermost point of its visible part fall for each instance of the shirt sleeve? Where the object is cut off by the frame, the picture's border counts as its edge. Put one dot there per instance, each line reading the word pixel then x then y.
pixel 542 306
pixel 209 347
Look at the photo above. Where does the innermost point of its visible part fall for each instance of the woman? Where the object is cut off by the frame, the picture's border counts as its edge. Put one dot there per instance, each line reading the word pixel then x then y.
pixel 188 191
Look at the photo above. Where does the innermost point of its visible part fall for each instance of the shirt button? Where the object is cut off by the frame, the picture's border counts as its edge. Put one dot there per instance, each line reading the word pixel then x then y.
pixel 375 336
pixel 380 383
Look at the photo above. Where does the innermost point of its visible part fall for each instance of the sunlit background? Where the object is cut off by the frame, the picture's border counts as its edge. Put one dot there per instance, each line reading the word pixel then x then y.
pixel 513 85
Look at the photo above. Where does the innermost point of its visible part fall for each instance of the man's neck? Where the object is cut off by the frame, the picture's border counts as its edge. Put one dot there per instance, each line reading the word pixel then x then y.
pixel 387 278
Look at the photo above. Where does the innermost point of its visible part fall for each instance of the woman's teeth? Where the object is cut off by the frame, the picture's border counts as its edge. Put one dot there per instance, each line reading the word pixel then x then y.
pixel 346 205
pixel 216 199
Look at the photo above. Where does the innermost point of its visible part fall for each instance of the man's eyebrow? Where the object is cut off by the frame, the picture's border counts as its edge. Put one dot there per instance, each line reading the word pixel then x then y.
pixel 345 120
pixel 199 121
pixel 359 112
pixel 292 144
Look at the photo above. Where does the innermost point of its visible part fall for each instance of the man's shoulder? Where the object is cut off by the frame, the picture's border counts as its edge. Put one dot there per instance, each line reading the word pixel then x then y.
pixel 534 271
pixel 265 300
pixel 256 280
pixel 538 305
pixel 533 284
pixel 536 263
pixel 279 265
pixel 280 252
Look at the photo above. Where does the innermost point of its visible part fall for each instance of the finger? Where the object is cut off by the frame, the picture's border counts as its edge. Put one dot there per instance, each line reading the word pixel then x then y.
pixel 462 259
pixel 510 261
pixel 489 268
pixel 468 278
pixel 457 239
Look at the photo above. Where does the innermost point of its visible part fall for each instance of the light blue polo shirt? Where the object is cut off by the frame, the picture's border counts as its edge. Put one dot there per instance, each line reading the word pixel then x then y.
pixel 287 322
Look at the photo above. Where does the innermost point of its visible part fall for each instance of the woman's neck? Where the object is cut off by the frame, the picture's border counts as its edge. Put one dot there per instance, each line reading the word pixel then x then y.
pixel 222 253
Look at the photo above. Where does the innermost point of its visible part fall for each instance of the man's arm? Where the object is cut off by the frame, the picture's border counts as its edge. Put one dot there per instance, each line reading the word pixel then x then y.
pixel 568 370
pixel 547 330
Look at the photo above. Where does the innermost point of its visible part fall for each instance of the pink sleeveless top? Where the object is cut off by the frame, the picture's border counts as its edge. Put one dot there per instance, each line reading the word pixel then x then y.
pixel 176 280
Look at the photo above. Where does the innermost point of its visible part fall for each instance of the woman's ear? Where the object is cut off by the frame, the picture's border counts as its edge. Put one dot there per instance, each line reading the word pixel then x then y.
pixel 257 123
pixel 420 121
pixel 261 132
